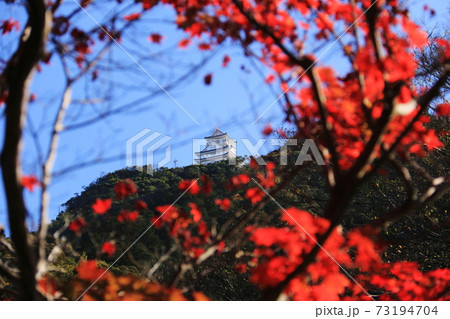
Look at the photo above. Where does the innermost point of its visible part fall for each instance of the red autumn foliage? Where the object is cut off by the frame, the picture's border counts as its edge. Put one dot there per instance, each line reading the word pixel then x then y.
pixel 184 43
pixel 324 279
pixel 128 216
pixel 191 186
pixel 30 182
pixel 121 288
pixel 109 248
pixel 207 79
pixel 239 180
pixel 88 270
pixel 101 206
pixel 140 205
pixel 267 130
pixel 8 25
pixel 196 214
pixel 132 16
pixel 125 188
pixel 48 287
pixel 443 109
pixel 224 204
pixel 255 194
pixel 226 60
pixel 339 112
pixel 155 38
pixel 207 184
pixel 77 225
pixel 253 163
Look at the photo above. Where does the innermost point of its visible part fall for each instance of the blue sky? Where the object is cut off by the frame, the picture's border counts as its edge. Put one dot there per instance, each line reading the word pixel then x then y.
pixel 234 100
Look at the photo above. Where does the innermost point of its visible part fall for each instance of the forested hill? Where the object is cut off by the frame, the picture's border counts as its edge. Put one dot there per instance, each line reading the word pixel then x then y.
pixel 422 236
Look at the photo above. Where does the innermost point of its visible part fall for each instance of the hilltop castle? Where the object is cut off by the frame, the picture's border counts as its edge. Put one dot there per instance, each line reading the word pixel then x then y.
pixel 219 147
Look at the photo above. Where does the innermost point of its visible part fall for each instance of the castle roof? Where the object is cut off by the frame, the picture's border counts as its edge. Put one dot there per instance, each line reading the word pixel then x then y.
pixel 217 133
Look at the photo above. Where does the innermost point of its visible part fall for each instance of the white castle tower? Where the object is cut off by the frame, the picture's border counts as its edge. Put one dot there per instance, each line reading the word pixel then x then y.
pixel 219 147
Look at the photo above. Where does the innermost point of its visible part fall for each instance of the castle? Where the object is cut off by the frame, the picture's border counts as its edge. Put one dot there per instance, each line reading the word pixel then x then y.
pixel 219 147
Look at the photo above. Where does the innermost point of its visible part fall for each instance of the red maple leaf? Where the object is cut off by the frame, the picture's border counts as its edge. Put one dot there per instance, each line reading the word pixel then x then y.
pixel 226 60
pixel 254 194
pixel 195 212
pixel 140 205
pixel 192 185
pixel 207 79
pixel 109 248
pixel 132 16
pixel 267 130
pixel 155 38
pixel 184 43
pixel 29 182
pixel 101 206
pixel 204 46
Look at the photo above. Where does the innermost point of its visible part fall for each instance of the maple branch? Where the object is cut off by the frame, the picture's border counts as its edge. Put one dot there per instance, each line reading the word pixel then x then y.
pixel 438 188
pixel 17 78
pixel 307 64
pixel 406 176
pixel 422 234
pixel 161 260
pixel 10 273
pixel 423 101
pixel 372 16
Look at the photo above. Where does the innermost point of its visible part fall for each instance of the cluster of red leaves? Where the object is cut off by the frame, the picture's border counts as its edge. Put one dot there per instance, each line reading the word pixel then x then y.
pixel 266 181
pixel 224 204
pixel 82 44
pixel 419 140
pixel 279 251
pixel 194 188
pixel 238 181
pixel 101 206
pixel 128 216
pixel 77 225
pixel 211 22
pixel 109 248
pixel 186 227
pixel 122 288
pixel 122 189
pixel 125 188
